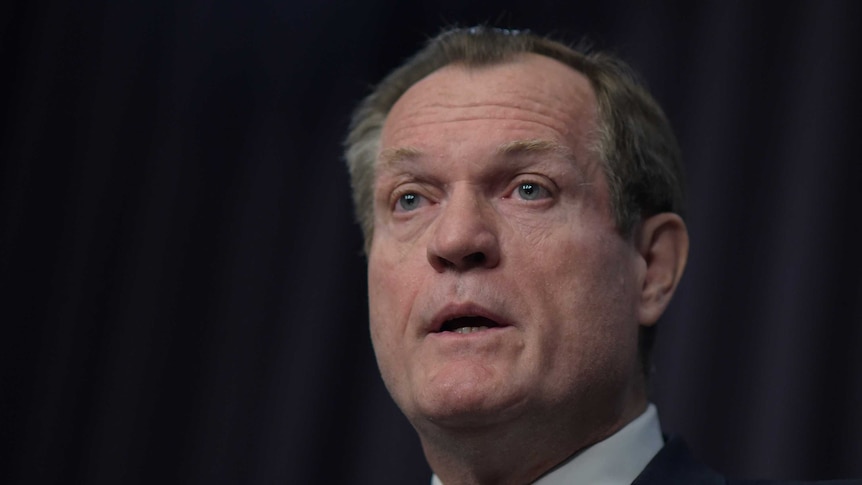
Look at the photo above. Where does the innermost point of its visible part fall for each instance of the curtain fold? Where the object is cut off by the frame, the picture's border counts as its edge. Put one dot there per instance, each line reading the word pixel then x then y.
pixel 183 284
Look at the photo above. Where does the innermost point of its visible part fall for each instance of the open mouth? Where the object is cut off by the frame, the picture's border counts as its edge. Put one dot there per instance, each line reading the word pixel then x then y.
pixel 468 324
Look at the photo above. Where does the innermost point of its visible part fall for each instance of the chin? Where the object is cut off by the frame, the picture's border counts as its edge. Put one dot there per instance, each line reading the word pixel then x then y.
pixel 465 404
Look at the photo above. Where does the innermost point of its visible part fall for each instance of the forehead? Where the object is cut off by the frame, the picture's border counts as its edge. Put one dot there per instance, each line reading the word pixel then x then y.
pixel 530 97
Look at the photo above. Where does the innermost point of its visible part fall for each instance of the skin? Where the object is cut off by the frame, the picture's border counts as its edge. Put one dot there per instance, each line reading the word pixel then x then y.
pixel 489 201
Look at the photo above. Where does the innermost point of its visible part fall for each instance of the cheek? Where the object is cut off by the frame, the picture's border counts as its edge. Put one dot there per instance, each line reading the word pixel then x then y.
pixel 384 319
pixel 392 294
pixel 588 296
pixel 382 308
pixel 393 287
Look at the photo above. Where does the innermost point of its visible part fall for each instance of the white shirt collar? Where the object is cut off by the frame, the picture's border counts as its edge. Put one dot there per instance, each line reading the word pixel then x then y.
pixel 617 460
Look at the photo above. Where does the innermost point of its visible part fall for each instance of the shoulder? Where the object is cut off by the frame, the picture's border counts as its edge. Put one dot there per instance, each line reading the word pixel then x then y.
pixel 675 464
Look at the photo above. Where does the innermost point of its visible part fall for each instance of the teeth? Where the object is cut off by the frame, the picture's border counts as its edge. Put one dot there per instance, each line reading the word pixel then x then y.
pixel 470 329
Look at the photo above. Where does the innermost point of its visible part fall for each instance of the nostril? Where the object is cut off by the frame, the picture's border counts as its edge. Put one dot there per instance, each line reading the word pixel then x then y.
pixel 442 263
pixel 475 258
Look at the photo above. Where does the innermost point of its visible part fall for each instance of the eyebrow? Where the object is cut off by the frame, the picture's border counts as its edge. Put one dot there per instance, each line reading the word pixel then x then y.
pixel 537 145
pixel 391 156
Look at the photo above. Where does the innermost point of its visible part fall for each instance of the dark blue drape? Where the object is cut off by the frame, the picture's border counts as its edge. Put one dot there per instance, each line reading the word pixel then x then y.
pixel 182 286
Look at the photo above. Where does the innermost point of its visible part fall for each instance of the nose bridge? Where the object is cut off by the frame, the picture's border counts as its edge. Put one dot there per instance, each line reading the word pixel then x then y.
pixel 465 233
pixel 465 211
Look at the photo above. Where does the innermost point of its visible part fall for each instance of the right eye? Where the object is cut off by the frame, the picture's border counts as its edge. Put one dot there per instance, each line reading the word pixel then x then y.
pixel 408 201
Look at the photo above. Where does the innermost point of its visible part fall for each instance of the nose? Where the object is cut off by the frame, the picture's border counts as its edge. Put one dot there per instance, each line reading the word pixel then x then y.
pixel 464 236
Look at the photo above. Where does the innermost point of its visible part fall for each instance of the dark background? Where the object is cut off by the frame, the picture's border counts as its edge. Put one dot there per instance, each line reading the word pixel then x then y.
pixel 182 286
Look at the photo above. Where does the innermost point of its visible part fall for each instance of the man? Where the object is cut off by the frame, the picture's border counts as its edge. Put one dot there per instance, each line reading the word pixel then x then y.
pixel 521 208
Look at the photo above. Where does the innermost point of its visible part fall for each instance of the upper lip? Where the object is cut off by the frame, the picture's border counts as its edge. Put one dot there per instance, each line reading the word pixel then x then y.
pixel 461 310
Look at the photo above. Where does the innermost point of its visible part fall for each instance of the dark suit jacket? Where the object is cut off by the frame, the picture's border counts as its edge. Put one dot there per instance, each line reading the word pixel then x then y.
pixel 674 464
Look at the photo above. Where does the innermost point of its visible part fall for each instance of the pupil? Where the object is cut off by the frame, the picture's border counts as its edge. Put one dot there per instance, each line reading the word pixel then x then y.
pixel 408 200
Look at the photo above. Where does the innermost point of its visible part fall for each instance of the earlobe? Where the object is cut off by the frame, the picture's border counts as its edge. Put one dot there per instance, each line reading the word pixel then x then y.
pixel 663 244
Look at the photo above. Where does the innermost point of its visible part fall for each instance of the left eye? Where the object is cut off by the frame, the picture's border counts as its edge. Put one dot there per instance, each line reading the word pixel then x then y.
pixel 409 202
pixel 531 191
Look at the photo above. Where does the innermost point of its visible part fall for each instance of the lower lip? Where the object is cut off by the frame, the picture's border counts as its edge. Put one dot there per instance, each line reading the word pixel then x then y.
pixel 478 334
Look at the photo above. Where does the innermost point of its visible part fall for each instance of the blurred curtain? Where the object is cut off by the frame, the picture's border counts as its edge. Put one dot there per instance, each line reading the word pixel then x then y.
pixel 182 285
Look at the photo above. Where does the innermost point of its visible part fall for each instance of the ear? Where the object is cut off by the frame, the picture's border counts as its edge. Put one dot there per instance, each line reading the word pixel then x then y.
pixel 662 242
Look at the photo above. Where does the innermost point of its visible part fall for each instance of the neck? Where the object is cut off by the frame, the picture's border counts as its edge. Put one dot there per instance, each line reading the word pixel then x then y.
pixel 518 452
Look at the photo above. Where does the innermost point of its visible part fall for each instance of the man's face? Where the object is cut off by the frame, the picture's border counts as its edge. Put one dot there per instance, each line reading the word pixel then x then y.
pixel 499 286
